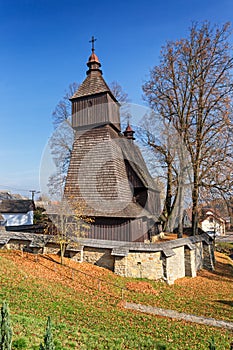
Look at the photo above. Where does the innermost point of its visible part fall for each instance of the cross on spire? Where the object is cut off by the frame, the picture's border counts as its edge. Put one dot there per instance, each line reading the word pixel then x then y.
pixel 128 116
pixel 92 41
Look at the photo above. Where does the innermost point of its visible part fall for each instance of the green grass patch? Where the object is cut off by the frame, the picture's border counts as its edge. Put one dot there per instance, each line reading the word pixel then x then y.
pixel 94 320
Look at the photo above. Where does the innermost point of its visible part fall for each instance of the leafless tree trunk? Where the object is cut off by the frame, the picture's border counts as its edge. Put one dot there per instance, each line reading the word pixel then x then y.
pixel 192 89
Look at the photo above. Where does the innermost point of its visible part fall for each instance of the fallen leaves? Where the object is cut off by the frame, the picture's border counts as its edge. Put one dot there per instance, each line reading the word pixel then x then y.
pixel 141 287
pixel 77 295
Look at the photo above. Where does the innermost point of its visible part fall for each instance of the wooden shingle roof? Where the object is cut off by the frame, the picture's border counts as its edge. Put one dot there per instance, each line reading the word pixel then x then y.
pixel 116 209
pixel 97 173
pixel 132 153
pixel 97 168
pixel 93 84
pixel 16 206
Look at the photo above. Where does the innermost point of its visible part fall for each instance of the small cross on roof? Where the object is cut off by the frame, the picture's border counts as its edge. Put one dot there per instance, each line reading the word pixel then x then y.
pixel 93 39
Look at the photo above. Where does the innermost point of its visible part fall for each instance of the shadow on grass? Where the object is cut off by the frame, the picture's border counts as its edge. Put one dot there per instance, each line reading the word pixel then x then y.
pixel 225 302
pixel 92 283
pixel 223 272
pixel 48 257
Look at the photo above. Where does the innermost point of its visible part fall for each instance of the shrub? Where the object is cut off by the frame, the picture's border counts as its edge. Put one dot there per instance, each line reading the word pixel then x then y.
pixel 48 338
pixel 212 344
pixel 5 328
pixel 20 344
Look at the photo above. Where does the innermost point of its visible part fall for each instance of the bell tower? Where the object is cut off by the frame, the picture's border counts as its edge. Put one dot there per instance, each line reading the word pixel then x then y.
pixel 107 173
pixel 93 104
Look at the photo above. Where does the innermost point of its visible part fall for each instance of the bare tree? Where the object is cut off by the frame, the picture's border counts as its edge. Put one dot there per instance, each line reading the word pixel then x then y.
pixel 123 98
pixel 62 110
pixel 61 144
pixel 69 222
pixel 173 159
pixel 192 89
pixel 62 140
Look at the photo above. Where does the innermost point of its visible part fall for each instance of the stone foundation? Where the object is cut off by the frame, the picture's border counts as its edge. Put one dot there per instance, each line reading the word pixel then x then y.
pixel 167 261
pixel 190 262
pixel 175 265
pixel 139 265
pixel 98 256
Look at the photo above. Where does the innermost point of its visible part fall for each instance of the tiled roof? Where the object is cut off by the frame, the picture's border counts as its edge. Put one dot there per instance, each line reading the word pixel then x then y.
pixel 16 206
pixel 93 84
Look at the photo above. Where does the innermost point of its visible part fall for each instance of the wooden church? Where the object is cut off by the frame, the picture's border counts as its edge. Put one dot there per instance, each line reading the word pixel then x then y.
pixel 107 172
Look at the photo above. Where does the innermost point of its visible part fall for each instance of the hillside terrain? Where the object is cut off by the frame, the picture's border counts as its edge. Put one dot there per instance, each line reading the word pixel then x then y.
pixel 86 304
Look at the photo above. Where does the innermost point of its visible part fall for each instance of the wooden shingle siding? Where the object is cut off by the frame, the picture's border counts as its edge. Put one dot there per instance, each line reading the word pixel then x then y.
pixel 132 176
pixel 104 174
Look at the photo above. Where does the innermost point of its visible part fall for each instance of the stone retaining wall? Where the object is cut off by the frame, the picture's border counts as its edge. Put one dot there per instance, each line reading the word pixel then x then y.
pixel 168 261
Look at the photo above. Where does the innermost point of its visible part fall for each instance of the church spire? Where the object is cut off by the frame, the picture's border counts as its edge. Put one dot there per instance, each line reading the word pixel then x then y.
pixel 128 133
pixel 93 61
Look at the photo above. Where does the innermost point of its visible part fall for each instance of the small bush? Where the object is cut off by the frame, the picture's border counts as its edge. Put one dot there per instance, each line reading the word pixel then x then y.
pixel 5 328
pixel 20 344
pixel 160 346
pixel 212 344
pixel 48 338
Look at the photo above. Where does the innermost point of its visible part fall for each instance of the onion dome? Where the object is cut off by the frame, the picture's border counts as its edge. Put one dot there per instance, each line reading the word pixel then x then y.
pixel 93 61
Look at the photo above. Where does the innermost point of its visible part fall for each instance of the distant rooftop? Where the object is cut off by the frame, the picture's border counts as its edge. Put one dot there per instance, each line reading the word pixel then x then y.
pixel 16 206
pixel 8 195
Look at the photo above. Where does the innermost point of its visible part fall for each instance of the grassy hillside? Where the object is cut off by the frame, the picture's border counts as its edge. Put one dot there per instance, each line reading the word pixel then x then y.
pixel 88 313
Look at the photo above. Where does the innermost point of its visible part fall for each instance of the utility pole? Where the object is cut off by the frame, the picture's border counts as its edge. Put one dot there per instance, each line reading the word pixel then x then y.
pixel 33 192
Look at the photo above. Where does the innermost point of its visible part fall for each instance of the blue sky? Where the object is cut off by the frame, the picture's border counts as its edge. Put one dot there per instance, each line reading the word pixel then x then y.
pixel 44 47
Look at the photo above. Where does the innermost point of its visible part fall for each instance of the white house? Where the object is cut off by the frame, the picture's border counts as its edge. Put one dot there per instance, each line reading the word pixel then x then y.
pixel 17 212
pixel 212 222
